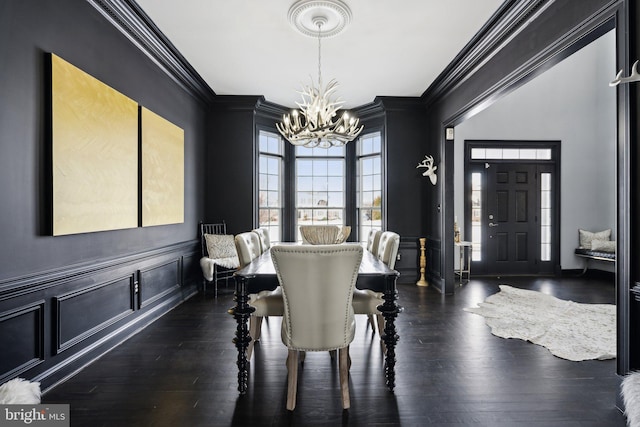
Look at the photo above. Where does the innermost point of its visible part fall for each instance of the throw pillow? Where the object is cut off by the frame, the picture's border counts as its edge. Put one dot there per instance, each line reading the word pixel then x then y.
pixel 586 237
pixel 603 245
pixel 220 245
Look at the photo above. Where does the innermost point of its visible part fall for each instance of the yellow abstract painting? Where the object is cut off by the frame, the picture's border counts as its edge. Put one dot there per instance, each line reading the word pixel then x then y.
pixel 162 170
pixel 94 153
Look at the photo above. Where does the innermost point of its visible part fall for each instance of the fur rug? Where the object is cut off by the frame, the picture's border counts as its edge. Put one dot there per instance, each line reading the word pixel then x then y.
pixel 569 330
pixel 19 391
pixel 631 398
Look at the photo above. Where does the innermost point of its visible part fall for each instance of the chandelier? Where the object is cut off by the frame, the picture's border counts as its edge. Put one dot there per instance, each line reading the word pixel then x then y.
pixel 316 122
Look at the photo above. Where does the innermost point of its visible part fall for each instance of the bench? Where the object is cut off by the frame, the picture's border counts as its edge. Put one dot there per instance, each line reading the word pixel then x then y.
pixel 590 254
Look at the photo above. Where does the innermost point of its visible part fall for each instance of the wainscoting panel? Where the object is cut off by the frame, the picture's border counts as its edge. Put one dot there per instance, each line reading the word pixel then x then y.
pixel 55 322
pixel 191 268
pixel 22 332
pixel 86 311
pixel 157 281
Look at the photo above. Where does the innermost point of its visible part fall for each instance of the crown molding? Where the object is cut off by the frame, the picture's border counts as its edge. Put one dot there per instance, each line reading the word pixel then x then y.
pixel 510 19
pixel 133 22
pixel 400 103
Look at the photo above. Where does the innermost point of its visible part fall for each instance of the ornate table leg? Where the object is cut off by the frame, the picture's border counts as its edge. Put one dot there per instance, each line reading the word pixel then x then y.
pixel 390 311
pixel 241 312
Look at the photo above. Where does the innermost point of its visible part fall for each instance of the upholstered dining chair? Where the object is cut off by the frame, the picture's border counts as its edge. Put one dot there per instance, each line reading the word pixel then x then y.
pixel 317 284
pixel 265 239
pixel 266 303
pixel 219 257
pixel 367 301
pixel 373 240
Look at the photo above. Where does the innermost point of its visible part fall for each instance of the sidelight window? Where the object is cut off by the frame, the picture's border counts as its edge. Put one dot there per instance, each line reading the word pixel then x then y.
pixel 476 216
pixel 545 216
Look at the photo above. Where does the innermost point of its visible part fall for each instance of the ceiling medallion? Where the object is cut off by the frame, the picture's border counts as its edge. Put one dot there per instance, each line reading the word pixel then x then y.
pixel 315 123
pixel 336 13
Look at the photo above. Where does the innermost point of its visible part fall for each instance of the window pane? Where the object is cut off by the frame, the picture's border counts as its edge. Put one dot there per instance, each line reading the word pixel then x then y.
pixel 335 168
pixel 333 151
pixel 510 153
pixel 320 167
pixel 273 164
pixel 546 214
pixel 528 153
pixel 270 168
pixel 336 198
pixel 369 184
pixel 545 199
pixel 544 154
pixel 367 166
pixel 320 181
pixel 320 198
pixel 305 183
pixel 545 181
pixel 494 153
pixel 476 216
pixel 334 216
pixel 304 167
pixel 478 153
pixel 304 199
pixel 274 145
pixel 335 183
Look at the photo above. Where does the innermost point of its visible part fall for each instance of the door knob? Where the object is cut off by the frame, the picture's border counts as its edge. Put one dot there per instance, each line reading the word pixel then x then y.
pixel 491 224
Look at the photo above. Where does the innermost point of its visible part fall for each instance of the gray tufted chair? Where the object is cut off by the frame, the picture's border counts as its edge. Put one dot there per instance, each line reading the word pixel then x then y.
pixel 265 240
pixel 388 248
pixel 373 241
pixel 366 301
pixel 317 284
pixel 266 303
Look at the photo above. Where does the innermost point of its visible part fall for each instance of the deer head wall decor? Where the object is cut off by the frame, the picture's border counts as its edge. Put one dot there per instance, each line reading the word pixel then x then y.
pixel 431 169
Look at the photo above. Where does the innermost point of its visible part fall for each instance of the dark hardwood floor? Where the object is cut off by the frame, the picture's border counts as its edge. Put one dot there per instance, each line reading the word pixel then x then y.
pixel 181 371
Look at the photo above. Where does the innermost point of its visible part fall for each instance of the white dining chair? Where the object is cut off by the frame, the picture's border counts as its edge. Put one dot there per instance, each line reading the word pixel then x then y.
pixel 317 284
pixel 373 241
pixel 367 301
pixel 265 238
pixel 266 303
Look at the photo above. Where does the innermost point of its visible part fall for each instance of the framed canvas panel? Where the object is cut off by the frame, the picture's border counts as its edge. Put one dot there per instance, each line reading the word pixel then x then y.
pixel 162 150
pixel 94 153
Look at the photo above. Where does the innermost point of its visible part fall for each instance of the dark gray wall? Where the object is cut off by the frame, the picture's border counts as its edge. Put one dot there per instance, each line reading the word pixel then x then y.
pixel 116 278
pixel 75 31
pixel 230 164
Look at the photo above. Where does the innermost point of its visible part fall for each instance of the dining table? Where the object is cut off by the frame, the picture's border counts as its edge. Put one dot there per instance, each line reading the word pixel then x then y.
pixel 260 275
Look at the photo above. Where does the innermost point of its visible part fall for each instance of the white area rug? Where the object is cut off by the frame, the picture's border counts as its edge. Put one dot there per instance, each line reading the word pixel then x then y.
pixel 19 391
pixel 568 329
pixel 631 398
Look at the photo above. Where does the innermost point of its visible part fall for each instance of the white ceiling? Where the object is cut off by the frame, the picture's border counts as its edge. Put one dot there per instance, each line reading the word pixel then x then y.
pixel 248 47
